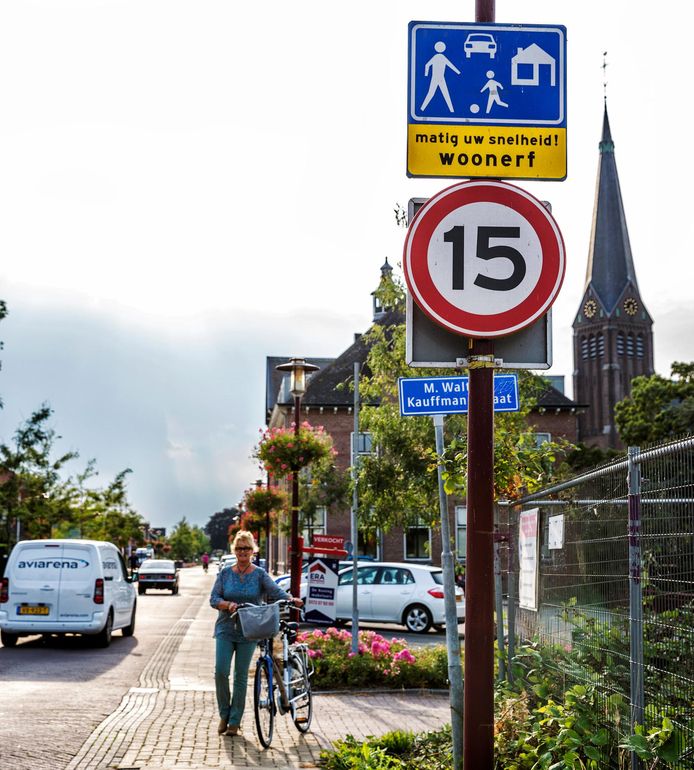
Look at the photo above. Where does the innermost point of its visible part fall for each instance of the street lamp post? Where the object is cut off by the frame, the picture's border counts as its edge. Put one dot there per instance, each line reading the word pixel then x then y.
pixel 297 369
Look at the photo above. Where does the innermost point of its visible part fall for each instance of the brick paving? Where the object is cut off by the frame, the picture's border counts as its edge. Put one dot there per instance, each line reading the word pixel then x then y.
pixel 169 721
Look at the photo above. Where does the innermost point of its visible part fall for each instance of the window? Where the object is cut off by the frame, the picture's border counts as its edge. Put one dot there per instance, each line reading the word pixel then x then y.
pixel 362 443
pixel 630 345
pixel 542 438
pixel 620 344
pixel 601 345
pixel 461 531
pixel 592 346
pixel 584 348
pixel 367 544
pixel 417 545
pixel 639 346
pixel 396 576
pixel 315 524
pixel 366 576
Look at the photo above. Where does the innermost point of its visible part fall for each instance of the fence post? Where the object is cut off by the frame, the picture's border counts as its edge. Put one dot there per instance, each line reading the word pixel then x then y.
pixel 498 590
pixel 635 597
pixel 512 577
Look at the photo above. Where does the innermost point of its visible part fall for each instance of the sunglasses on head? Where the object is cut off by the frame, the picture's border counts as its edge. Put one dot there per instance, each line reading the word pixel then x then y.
pixel 243 548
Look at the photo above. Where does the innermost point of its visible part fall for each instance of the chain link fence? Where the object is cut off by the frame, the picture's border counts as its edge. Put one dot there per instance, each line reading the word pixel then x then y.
pixel 613 565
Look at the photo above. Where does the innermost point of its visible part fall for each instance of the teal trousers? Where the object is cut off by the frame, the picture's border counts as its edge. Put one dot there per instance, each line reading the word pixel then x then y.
pixel 231 706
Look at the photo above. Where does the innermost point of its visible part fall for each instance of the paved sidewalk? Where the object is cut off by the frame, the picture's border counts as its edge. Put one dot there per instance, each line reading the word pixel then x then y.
pixel 169 722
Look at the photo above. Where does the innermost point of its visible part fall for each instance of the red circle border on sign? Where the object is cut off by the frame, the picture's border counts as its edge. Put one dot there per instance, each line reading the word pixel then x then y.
pixel 436 306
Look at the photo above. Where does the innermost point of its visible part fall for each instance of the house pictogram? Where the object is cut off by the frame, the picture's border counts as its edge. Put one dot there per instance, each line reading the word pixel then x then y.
pixel 532 58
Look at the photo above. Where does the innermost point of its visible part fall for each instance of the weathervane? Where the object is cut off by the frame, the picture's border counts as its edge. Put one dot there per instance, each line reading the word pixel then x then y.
pixel 604 74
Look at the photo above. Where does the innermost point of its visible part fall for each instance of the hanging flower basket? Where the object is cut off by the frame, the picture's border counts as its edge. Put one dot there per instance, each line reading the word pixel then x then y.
pixel 282 451
pixel 260 502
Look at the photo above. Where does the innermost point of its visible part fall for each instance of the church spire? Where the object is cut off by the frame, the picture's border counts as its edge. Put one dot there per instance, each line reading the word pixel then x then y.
pixel 613 332
pixel 610 264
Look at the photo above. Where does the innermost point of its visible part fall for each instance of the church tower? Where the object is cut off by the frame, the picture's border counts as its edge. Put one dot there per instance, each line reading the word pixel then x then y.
pixel 613 332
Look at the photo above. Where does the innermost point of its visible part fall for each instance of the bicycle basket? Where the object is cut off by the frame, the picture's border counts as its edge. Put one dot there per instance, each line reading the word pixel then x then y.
pixel 260 622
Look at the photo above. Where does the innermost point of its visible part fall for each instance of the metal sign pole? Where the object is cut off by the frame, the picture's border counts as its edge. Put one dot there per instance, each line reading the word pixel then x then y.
pixel 455 678
pixel 354 532
pixel 479 568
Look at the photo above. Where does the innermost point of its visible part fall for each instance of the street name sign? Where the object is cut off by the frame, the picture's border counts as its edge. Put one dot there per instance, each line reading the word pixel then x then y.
pixel 486 100
pixel 484 259
pixel 449 395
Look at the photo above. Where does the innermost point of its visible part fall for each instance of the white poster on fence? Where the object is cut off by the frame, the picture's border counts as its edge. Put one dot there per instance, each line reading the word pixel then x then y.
pixel 322 589
pixel 528 551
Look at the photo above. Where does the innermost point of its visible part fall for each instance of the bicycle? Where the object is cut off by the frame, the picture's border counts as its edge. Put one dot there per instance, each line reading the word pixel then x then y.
pixel 293 680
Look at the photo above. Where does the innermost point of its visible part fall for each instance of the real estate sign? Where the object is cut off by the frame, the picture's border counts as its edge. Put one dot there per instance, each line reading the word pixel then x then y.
pixel 321 592
pixel 528 547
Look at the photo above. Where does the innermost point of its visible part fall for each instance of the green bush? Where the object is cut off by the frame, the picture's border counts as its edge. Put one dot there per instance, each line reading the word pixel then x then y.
pixel 378 663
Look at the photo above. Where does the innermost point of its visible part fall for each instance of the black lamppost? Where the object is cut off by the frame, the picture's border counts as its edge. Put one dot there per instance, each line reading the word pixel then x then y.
pixel 297 369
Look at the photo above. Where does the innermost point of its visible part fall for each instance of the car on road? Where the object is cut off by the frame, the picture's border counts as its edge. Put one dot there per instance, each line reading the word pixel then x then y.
pixel 395 592
pixel 66 587
pixel 158 573
pixel 479 42
pixel 226 559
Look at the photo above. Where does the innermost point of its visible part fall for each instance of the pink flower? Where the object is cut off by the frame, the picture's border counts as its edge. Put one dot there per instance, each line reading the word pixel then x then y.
pixel 404 655
pixel 351 654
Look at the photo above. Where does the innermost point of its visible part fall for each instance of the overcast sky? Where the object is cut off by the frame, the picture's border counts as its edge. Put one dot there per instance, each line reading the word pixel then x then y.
pixel 189 186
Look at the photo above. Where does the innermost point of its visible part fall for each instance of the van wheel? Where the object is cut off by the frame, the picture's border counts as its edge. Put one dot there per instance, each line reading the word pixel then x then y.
pixel 103 638
pixel 129 630
pixel 8 640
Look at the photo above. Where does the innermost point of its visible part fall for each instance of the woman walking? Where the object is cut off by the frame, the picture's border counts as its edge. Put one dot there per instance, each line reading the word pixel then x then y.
pixel 242 582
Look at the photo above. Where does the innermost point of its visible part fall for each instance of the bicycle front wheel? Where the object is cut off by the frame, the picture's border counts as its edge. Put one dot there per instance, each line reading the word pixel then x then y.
pixel 263 702
pixel 300 696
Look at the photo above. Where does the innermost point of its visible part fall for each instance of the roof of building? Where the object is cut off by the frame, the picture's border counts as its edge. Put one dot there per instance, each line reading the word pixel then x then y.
pixel 610 262
pixel 551 398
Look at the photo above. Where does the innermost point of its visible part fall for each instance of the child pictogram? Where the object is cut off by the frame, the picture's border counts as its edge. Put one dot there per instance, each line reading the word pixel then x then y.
pixel 493 87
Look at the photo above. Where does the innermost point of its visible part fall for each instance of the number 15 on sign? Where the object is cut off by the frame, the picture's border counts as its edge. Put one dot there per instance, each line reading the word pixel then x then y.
pixel 484 259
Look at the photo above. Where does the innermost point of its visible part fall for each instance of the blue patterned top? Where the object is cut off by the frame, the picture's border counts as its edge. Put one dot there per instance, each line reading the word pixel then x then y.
pixel 253 587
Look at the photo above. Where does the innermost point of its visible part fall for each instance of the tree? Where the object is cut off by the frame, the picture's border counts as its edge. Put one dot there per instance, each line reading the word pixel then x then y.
pixel 217 528
pixel 32 490
pixel 657 409
pixel 398 484
pixel 188 542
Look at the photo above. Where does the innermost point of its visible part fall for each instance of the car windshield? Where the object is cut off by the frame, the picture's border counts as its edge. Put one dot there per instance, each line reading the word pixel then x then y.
pixel 157 565
pixel 480 38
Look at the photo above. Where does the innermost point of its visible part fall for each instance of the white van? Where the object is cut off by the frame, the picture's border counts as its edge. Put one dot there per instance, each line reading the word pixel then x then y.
pixel 66 587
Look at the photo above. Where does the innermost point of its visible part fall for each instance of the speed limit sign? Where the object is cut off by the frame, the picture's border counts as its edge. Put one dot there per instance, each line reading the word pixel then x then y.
pixel 484 258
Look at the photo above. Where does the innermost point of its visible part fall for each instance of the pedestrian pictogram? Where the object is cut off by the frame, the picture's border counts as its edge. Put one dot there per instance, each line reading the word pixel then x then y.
pixel 483 96
pixel 484 259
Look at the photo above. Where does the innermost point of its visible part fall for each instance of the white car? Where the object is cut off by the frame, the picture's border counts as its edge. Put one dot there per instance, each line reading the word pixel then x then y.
pixel 227 558
pixel 66 587
pixel 395 592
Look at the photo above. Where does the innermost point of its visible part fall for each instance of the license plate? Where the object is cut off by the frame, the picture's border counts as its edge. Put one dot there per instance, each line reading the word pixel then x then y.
pixel 28 610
